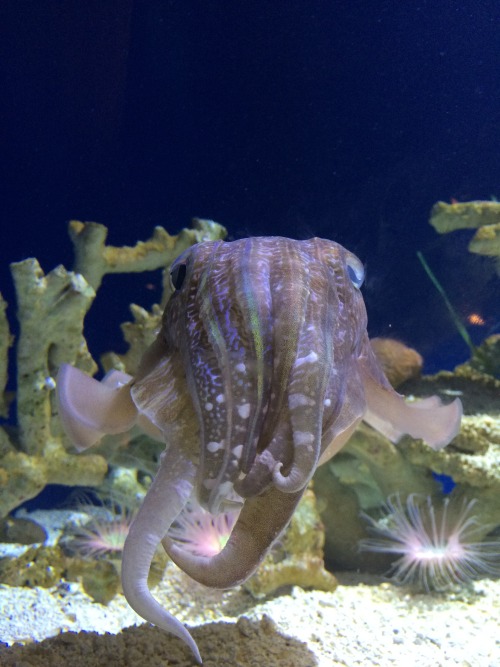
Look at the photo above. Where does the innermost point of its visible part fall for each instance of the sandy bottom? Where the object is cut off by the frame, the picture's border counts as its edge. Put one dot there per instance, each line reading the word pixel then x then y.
pixel 364 622
pixel 358 624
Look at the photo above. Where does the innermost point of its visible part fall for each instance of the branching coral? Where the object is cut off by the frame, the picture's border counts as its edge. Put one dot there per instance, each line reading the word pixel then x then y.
pixel 6 341
pixel 51 312
pixel 481 215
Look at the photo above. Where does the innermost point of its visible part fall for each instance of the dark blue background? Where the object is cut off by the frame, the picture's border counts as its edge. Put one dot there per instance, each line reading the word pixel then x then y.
pixel 346 120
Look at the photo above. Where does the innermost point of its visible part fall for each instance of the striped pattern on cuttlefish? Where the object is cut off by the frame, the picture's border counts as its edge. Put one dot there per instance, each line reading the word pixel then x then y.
pixel 261 372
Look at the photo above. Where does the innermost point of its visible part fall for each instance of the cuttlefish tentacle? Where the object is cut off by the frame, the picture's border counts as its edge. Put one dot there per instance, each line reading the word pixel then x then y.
pixel 247 545
pixel 167 496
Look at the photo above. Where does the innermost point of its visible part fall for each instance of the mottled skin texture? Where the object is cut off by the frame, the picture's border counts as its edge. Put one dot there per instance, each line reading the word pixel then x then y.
pixel 261 372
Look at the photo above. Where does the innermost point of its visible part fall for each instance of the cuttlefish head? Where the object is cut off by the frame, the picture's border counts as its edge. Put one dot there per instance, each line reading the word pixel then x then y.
pixel 261 372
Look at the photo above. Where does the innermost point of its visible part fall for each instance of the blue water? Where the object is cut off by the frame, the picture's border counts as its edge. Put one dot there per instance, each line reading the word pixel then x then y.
pixel 346 120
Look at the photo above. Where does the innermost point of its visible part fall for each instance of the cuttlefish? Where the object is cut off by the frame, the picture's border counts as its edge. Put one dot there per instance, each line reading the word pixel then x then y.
pixel 260 373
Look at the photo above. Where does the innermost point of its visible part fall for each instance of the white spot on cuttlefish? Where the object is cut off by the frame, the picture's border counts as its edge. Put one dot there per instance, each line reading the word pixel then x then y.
pixel 238 451
pixel 299 400
pixel 244 410
pixel 225 489
pixel 327 402
pixel 208 407
pixel 302 438
pixel 241 368
pixel 220 398
pixel 213 446
pixel 311 358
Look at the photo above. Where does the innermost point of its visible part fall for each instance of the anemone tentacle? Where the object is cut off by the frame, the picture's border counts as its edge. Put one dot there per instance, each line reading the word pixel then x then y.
pixel 247 545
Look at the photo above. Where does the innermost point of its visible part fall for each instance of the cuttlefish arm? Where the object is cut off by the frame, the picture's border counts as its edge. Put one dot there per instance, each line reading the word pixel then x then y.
pixel 90 409
pixel 247 545
pixel 166 498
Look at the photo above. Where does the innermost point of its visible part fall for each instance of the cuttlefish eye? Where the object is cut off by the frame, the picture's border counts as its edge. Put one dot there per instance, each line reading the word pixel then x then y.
pixel 355 271
pixel 177 276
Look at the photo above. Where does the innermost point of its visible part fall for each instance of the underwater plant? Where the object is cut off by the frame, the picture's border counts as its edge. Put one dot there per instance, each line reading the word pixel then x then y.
pixel 483 216
pixel 202 533
pixel 104 534
pixel 439 547
pixel 454 315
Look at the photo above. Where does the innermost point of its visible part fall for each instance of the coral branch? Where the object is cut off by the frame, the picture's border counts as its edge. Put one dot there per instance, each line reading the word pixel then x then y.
pixel 6 340
pixel 94 259
pixel 51 312
pixel 481 215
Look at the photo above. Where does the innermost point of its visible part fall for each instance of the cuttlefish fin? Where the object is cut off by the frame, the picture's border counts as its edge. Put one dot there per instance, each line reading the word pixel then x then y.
pixel 89 409
pixel 388 412
pixel 429 419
